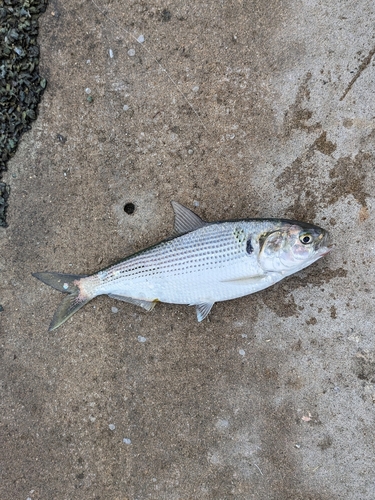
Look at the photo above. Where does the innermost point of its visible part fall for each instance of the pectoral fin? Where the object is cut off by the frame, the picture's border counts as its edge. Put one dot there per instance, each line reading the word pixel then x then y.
pixel 203 310
pixel 146 304
pixel 246 280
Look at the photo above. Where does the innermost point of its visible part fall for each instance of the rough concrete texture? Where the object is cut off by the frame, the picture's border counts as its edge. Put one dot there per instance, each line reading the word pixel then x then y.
pixel 247 108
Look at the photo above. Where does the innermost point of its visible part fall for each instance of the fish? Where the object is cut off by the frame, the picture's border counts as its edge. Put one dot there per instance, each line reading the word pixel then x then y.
pixel 202 263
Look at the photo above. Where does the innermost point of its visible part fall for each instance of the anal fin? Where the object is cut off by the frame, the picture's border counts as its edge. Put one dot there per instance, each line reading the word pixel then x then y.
pixel 203 310
pixel 146 304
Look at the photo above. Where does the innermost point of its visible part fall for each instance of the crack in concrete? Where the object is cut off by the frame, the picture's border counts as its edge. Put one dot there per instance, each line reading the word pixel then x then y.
pixel 366 61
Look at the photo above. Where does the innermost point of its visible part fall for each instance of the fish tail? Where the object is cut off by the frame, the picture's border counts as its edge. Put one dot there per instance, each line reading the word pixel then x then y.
pixel 76 298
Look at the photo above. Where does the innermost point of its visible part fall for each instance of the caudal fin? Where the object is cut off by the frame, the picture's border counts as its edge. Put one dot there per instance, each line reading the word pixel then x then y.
pixel 72 302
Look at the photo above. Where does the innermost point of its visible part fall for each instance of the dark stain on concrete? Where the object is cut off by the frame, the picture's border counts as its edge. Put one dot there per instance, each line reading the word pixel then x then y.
pixel 325 443
pixel 324 146
pixel 364 365
pixel 317 279
pixel 349 176
pixel 297 346
pixel 333 312
pixel 297 116
pixel 311 321
pixel 279 298
pixel 302 178
pixel 279 301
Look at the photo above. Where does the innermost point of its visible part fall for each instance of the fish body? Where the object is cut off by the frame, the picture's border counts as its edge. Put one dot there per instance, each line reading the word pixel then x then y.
pixel 206 262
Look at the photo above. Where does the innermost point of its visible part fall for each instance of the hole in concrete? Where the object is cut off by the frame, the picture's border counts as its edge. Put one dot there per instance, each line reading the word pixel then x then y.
pixel 129 208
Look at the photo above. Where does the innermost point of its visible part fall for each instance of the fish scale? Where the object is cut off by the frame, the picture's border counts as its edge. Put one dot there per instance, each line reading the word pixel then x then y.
pixel 206 262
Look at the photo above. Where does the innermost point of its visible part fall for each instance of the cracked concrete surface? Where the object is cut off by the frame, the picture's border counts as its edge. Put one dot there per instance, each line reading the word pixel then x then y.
pixel 238 109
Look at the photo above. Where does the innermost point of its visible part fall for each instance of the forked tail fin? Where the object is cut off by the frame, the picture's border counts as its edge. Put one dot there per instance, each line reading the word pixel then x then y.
pixel 72 302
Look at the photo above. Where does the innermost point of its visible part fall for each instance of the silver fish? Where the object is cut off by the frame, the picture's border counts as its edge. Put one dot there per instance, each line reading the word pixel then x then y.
pixel 204 263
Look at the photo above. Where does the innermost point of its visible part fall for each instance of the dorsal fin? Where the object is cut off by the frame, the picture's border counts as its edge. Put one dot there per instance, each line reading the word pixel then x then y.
pixel 185 220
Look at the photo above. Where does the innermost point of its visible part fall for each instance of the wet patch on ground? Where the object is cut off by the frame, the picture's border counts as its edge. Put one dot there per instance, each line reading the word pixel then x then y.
pixel 303 179
pixel 279 301
pixel 351 176
pixel 279 298
pixel 298 114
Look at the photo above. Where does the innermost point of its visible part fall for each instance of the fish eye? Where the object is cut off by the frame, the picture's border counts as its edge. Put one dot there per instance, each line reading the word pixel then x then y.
pixel 305 238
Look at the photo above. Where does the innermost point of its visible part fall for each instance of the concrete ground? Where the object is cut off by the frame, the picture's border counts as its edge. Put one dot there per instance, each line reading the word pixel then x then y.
pixel 239 109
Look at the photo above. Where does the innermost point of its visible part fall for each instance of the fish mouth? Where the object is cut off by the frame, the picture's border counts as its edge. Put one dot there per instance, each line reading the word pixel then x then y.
pixel 325 250
pixel 324 245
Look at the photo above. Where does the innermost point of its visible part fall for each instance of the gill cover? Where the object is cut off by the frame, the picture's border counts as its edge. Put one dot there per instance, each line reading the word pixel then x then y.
pixel 290 248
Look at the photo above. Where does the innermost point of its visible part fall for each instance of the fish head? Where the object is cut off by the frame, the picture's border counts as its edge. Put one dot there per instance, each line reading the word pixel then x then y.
pixel 292 246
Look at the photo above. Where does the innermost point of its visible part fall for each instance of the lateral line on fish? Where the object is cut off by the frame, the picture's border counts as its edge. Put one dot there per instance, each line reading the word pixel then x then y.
pixel 113 21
